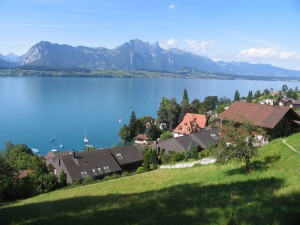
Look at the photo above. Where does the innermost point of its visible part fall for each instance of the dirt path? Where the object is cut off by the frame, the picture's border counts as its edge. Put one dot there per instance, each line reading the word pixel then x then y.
pixel 290 147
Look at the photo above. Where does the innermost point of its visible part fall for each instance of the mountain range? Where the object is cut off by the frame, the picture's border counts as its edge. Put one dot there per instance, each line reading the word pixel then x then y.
pixel 134 55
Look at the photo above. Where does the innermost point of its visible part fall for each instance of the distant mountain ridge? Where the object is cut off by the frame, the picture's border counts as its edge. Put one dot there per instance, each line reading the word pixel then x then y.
pixel 139 55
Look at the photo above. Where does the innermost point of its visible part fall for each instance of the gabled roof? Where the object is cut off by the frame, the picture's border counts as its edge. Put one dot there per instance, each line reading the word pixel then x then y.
pixel 141 137
pixel 202 139
pixel 259 115
pixel 191 123
pixel 94 163
pixel 206 138
pixel 126 155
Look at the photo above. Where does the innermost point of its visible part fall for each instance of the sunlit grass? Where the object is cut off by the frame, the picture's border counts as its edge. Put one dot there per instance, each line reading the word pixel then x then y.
pixel 211 194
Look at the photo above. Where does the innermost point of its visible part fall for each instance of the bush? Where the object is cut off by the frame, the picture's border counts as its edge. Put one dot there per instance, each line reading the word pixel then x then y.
pixel 140 170
pixel 166 158
pixel 88 179
pixel 177 156
pixel 204 153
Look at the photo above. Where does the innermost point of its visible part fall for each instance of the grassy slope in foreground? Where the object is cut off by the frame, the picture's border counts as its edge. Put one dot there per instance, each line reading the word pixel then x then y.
pixel 209 194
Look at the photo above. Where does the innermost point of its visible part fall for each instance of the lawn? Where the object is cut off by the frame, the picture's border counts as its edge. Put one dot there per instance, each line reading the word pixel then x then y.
pixel 211 194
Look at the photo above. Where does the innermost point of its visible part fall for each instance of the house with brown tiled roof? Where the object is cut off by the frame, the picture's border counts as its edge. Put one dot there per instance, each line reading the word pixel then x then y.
pixel 277 121
pixel 141 139
pixel 191 123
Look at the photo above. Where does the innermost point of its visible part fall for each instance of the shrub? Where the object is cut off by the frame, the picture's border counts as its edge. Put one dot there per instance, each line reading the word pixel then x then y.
pixel 166 158
pixel 140 170
pixel 204 153
pixel 177 156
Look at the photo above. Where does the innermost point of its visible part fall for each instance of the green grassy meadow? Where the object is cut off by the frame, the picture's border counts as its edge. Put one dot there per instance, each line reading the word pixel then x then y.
pixel 211 194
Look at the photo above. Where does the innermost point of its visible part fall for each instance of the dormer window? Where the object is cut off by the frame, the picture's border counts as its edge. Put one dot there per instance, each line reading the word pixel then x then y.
pixel 118 154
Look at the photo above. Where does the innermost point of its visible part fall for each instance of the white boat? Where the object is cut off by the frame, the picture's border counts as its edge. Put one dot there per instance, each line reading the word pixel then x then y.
pixel 54 150
pixel 85 140
pixel 61 144
pixel 34 149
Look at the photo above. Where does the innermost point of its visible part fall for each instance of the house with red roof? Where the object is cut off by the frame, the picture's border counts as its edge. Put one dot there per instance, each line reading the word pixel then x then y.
pixel 191 123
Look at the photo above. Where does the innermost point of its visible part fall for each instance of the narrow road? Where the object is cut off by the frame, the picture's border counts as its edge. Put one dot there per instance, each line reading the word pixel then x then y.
pixel 290 147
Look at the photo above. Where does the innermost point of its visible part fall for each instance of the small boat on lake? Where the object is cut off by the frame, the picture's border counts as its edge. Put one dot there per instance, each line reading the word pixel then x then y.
pixel 61 146
pixel 85 140
pixel 34 149
pixel 52 139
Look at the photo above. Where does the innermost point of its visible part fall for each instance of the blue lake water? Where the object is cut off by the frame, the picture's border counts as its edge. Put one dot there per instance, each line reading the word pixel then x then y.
pixel 34 109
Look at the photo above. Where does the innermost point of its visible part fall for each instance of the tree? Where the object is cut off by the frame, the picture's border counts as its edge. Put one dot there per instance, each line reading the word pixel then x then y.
pixel 38 165
pixel 168 112
pixel 211 102
pixel 192 151
pixel 132 125
pixel 19 157
pixel 7 180
pixel 165 135
pixel 266 92
pixel 236 96
pixel 125 133
pixel 237 143
pixel 153 158
pixel 185 105
pixel 153 132
pixel 284 88
pixel 257 94
pixel 195 106
pixel 63 179
pixel 250 96
pixel 146 163
pixel 291 94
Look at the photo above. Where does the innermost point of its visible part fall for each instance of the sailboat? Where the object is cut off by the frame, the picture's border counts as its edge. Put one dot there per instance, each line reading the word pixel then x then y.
pixel 61 144
pixel 34 149
pixel 52 139
pixel 85 140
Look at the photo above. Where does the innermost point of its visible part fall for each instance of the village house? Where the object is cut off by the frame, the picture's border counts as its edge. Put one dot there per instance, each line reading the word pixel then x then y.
pixel 290 102
pixel 191 123
pixel 141 139
pixel 277 121
pixel 128 157
pixel 201 140
pixel 97 164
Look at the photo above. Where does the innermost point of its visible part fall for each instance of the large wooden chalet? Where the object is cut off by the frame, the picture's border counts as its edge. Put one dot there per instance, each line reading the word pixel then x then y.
pixel 277 121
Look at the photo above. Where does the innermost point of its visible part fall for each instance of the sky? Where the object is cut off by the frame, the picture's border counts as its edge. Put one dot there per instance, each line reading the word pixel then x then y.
pixel 255 31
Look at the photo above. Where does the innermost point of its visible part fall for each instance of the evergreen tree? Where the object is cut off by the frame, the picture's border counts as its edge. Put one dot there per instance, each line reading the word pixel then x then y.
pixel 132 124
pixel 153 158
pixel 63 179
pixel 236 96
pixel 185 105
pixel 146 163
pixel 250 96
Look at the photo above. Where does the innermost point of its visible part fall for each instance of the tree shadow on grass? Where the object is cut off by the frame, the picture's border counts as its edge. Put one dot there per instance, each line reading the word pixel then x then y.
pixel 248 202
pixel 256 165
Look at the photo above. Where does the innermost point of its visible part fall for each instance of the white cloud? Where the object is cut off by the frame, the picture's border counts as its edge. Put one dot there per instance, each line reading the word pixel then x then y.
pixel 189 45
pixel 274 52
pixel 172 7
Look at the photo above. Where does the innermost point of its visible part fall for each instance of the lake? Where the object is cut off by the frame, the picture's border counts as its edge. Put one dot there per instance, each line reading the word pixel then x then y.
pixel 34 109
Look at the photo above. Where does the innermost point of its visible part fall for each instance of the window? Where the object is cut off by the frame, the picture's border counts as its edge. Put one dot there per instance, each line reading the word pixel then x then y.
pixel 94 170
pixel 106 167
pixel 118 155
pixel 99 169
